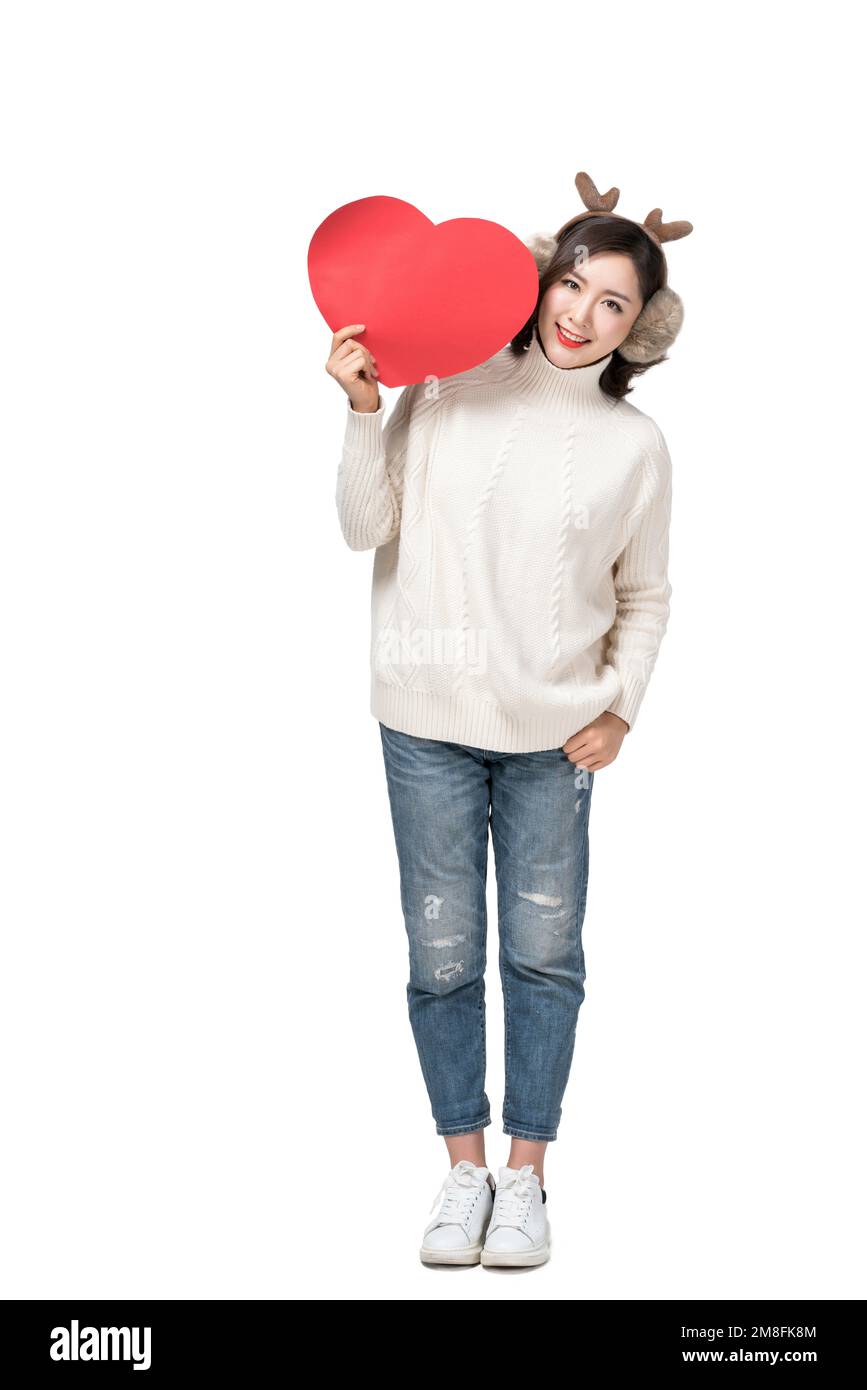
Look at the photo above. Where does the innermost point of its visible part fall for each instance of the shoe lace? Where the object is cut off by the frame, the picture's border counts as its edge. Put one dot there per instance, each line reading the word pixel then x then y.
pixel 458 1189
pixel 513 1197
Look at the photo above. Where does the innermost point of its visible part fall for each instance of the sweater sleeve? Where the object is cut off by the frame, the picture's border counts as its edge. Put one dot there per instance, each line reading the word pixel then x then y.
pixel 642 587
pixel 369 492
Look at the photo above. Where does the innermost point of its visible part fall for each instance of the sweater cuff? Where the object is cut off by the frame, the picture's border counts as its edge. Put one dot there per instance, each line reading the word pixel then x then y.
pixel 363 435
pixel 628 701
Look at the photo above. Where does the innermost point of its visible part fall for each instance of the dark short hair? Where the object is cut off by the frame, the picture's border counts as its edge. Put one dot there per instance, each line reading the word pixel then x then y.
pixel 600 234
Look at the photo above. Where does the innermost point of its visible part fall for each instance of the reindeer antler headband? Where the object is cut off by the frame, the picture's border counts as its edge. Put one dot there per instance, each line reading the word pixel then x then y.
pixel 661 318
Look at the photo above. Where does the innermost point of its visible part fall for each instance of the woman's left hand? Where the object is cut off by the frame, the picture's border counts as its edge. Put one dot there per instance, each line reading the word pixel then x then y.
pixel 598 743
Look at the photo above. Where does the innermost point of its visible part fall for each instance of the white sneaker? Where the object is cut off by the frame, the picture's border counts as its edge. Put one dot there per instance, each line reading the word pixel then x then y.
pixel 518 1232
pixel 457 1232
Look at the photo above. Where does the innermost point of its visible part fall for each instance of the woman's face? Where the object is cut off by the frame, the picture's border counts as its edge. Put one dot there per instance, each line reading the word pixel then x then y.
pixel 599 300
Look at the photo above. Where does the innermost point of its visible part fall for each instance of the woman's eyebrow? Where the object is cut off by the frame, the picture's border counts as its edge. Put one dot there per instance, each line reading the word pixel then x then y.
pixel 616 294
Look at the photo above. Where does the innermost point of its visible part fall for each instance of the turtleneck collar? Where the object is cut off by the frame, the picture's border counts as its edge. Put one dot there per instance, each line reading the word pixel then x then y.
pixel 574 389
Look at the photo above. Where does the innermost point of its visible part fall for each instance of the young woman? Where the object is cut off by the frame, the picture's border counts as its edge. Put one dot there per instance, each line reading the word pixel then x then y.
pixel 520 514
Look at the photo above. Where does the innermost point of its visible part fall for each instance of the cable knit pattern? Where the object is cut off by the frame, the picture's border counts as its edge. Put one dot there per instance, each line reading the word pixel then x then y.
pixel 520 519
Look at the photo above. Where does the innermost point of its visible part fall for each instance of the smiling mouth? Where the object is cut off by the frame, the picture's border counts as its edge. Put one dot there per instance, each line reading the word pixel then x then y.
pixel 572 337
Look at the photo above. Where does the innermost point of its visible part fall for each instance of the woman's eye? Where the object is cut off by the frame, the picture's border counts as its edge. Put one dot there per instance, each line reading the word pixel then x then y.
pixel 612 302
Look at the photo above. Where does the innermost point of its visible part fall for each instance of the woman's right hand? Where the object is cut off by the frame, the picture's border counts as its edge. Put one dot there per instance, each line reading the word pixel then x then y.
pixel 354 368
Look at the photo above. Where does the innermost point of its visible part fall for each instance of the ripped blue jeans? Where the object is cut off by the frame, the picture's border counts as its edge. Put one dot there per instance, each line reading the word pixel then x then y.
pixel 444 797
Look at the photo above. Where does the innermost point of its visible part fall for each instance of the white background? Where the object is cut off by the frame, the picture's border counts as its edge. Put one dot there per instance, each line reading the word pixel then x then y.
pixel 209 1082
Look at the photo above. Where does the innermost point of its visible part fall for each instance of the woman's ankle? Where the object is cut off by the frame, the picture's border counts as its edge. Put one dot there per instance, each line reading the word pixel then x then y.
pixel 468 1146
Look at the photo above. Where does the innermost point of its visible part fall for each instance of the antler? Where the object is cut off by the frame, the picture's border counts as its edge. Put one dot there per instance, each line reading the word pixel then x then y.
pixel 596 202
pixel 592 199
pixel 666 231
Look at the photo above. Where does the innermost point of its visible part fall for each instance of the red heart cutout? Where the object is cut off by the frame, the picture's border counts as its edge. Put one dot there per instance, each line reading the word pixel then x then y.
pixel 435 298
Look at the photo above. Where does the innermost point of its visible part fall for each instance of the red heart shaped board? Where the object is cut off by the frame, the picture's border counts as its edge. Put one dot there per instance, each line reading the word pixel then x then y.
pixel 435 298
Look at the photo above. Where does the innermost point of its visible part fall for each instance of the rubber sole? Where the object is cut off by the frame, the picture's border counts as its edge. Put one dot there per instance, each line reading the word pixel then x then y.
pixel 537 1256
pixel 470 1255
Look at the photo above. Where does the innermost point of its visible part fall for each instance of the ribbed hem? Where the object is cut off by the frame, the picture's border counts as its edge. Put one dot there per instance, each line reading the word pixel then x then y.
pixel 628 701
pixel 477 723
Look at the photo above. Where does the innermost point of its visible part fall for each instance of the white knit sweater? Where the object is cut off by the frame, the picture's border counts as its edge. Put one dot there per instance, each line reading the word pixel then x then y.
pixel 520 583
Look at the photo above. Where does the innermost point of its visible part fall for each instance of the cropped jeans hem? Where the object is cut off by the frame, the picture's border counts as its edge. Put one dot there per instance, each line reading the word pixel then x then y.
pixel 533 1135
pixel 464 1129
